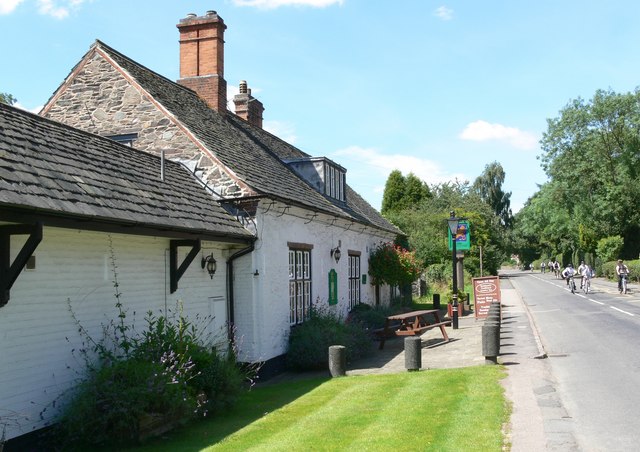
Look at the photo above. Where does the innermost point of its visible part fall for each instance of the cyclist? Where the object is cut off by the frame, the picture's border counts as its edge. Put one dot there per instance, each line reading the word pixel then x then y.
pixel 621 270
pixel 542 265
pixel 568 272
pixel 585 271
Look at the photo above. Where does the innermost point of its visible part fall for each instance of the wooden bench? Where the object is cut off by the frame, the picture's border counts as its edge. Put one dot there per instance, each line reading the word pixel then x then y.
pixel 411 324
pixel 418 331
pixel 386 331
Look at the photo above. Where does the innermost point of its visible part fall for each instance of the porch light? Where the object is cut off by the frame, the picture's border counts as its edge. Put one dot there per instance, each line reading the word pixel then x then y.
pixel 210 264
pixel 335 252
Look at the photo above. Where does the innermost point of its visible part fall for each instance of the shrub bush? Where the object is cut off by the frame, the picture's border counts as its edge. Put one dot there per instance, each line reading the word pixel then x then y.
pixel 609 248
pixel 369 317
pixel 309 342
pixel 609 270
pixel 438 273
pixel 219 378
pixel 108 406
pixel 167 372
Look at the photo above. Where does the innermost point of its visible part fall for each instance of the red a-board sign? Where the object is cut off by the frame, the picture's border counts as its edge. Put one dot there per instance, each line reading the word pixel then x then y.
pixel 486 290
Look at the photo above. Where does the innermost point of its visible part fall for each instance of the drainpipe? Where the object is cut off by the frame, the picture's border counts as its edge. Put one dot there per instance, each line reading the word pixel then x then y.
pixel 230 299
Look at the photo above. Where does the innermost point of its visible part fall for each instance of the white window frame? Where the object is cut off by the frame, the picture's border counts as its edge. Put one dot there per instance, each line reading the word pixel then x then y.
pixel 333 182
pixel 299 285
pixel 354 280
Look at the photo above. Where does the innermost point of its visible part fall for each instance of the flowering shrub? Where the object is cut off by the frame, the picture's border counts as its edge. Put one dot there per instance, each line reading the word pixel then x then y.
pixel 393 265
pixel 141 383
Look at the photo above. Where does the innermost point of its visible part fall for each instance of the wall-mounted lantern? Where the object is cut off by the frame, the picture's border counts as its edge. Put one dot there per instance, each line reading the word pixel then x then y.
pixel 210 264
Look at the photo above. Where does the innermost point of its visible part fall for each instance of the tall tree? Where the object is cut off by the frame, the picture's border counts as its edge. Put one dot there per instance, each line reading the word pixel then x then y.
pixel 416 191
pixel 591 154
pixel 403 192
pixel 7 99
pixel 489 187
pixel 394 191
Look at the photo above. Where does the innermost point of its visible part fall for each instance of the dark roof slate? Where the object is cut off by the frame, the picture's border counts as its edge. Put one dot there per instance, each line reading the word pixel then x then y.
pixel 55 169
pixel 250 152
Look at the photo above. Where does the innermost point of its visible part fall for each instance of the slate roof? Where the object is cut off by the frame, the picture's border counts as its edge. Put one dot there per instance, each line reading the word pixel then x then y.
pixel 251 153
pixel 53 169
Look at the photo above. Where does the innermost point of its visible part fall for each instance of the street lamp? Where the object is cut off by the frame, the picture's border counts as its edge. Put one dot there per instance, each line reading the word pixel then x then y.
pixel 453 228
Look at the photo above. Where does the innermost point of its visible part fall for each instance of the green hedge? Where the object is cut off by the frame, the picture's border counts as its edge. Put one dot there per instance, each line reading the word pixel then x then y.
pixel 309 342
pixel 609 270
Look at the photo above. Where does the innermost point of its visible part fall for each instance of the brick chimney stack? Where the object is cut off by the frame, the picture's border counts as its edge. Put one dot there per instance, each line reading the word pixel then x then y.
pixel 248 107
pixel 202 58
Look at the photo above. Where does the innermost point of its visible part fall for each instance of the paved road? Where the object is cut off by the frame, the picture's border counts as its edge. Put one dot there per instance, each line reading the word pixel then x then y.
pixel 591 343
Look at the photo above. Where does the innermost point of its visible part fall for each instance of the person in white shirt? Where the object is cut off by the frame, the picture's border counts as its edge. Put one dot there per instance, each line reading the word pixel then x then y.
pixel 585 271
pixel 568 272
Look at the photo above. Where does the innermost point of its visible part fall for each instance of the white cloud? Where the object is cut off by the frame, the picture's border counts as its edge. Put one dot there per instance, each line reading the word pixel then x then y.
pixel 49 8
pixel 272 4
pixel 443 13
pixel 58 9
pixel 283 130
pixel 34 110
pixel 382 164
pixel 8 6
pixel 485 131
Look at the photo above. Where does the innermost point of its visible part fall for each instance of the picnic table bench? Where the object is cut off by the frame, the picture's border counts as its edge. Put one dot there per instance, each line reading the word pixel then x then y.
pixel 412 323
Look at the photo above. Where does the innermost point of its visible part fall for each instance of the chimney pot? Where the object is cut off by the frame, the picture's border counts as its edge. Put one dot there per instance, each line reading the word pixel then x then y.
pixel 247 107
pixel 202 58
pixel 191 15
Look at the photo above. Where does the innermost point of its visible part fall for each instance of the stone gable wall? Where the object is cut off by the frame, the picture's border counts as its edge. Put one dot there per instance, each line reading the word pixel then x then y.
pixel 100 100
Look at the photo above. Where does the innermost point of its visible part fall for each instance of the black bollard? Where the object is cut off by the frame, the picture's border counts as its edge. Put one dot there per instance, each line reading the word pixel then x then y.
pixel 412 353
pixel 337 360
pixel 491 342
pixel 436 301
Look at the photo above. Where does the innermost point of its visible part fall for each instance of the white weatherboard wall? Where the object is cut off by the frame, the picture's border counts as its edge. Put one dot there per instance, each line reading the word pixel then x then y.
pixel 74 274
pixel 262 319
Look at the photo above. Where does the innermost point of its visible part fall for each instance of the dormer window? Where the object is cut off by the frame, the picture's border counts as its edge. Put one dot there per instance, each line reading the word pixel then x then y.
pixel 323 174
pixel 333 181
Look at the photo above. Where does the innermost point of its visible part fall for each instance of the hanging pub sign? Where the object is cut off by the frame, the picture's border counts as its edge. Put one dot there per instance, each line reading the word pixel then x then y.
pixel 463 237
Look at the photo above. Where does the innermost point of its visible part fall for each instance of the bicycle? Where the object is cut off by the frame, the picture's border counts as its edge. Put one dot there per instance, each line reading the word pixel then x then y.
pixel 623 283
pixel 586 285
pixel 572 284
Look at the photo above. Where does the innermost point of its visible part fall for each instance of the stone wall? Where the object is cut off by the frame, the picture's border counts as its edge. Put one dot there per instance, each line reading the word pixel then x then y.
pixel 99 99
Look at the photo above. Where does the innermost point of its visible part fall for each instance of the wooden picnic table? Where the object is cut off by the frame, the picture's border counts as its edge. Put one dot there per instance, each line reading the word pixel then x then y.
pixel 412 323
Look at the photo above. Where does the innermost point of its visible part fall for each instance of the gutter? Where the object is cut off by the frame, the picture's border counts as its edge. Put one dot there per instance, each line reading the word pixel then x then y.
pixel 230 297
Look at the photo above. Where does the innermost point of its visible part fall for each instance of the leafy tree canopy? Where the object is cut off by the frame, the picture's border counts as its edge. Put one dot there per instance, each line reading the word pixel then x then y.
pixel 7 99
pixel 489 187
pixel 425 224
pixel 403 192
pixel 591 154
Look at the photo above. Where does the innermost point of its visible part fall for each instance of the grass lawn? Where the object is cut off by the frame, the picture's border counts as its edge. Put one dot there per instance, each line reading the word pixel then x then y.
pixel 443 410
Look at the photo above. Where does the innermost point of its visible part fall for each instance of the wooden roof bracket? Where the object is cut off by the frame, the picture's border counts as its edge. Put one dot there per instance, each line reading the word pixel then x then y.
pixel 9 271
pixel 175 272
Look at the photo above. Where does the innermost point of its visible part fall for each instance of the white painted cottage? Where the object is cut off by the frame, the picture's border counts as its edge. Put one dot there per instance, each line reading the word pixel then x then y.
pixel 313 232
pixel 78 212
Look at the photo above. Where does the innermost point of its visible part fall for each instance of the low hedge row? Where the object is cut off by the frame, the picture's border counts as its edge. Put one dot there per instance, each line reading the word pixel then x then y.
pixel 608 270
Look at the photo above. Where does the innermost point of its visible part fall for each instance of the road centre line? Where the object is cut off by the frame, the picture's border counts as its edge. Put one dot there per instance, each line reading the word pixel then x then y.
pixel 620 310
pixel 595 301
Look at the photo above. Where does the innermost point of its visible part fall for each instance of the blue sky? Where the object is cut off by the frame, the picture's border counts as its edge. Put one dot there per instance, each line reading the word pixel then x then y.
pixel 440 89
